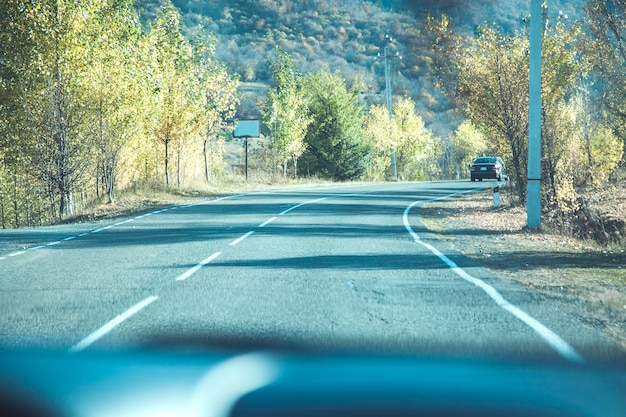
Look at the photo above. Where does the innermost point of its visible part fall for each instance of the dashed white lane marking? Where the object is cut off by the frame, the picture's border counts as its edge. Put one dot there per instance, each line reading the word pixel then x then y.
pixel 302 204
pixel 554 340
pixel 238 240
pixel 69 238
pixel 193 270
pixel 53 243
pixel 36 247
pixel 266 222
pixel 93 337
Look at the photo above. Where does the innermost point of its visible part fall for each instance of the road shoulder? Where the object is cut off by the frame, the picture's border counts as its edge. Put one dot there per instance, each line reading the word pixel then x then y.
pixel 586 280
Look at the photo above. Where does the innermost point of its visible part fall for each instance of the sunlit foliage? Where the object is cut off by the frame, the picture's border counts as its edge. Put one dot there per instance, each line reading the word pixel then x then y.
pixel 90 99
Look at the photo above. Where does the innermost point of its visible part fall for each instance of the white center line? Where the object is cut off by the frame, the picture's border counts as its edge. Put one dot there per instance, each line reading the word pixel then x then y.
pixel 302 204
pixel 197 267
pixel 236 241
pixel 89 340
pixel 266 222
pixel 554 340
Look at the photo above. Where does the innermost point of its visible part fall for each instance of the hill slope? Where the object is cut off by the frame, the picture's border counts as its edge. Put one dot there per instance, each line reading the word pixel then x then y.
pixel 345 37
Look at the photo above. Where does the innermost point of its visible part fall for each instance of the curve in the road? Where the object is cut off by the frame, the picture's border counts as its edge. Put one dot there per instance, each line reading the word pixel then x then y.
pixel 551 338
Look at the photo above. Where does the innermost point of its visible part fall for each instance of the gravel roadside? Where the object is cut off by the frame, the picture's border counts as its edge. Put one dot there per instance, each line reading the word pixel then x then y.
pixel 587 280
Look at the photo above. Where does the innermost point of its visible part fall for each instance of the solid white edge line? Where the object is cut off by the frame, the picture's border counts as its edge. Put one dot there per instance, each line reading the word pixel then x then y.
pixel 93 337
pixel 238 240
pixel 193 270
pixel 266 222
pixel 554 340
pixel 16 253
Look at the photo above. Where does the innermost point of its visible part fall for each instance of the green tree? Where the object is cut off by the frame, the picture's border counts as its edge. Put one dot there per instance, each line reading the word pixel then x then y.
pixel 414 145
pixel 335 143
pixel 286 112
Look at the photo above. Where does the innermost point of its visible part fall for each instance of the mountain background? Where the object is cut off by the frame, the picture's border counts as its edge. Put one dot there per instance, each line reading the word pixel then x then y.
pixel 345 37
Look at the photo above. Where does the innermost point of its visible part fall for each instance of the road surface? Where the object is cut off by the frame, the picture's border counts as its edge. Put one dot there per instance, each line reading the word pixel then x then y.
pixel 344 267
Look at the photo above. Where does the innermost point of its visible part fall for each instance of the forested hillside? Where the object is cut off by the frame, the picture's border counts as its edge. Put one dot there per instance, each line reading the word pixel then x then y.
pixel 345 37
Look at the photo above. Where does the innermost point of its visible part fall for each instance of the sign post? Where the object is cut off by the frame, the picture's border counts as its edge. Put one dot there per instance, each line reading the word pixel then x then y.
pixel 246 129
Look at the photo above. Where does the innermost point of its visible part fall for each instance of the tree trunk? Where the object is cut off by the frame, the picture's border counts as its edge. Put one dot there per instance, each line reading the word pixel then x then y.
pixel 295 167
pixel 109 180
pixel 206 161
pixel 167 175
pixel 178 168
pixel 15 207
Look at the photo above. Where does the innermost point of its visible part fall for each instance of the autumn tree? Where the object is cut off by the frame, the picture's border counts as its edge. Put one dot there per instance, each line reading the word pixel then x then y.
pixel 414 145
pixel 220 97
pixel 286 112
pixel 606 50
pixel 54 115
pixel 113 39
pixel 176 102
pixel 465 144
pixel 492 85
pixel 561 72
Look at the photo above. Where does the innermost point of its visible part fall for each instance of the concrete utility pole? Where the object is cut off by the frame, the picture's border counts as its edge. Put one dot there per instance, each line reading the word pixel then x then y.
pixel 534 117
pixel 386 56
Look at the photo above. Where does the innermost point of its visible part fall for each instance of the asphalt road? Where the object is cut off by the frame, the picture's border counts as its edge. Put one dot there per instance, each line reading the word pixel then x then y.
pixel 347 268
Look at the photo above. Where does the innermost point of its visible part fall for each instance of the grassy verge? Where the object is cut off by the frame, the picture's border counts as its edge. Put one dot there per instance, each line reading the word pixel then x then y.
pixel 137 199
pixel 588 280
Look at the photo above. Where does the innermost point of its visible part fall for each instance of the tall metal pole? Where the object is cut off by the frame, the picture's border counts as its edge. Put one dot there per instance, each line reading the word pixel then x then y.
pixel 394 173
pixel 386 56
pixel 388 83
pixel 246 143
pixel 534 117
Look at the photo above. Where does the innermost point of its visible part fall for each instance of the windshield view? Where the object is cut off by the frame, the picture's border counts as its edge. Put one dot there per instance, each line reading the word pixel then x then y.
pixel 421 179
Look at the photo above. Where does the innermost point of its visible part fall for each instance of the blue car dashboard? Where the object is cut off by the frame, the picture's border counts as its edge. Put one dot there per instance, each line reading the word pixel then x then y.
pixel 274 383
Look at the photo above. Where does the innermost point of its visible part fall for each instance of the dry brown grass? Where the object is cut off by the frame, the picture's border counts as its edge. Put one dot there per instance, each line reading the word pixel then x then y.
pixel 589 279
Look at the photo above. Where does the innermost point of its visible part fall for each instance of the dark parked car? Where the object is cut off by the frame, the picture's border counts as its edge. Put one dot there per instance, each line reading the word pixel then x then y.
pixel 487 167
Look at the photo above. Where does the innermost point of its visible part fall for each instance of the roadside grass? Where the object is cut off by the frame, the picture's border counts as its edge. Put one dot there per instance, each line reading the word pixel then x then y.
pixel 588 279
pixel 147 196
